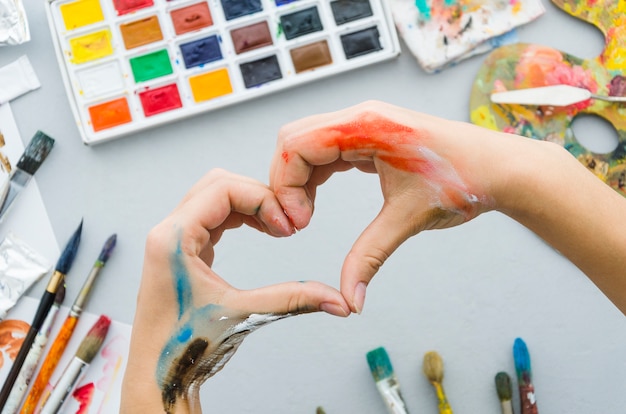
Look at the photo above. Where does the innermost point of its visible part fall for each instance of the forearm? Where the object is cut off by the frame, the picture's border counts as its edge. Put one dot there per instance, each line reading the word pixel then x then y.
pixel 546 189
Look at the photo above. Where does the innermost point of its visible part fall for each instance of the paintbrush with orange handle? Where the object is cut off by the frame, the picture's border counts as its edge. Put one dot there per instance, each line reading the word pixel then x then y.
pixel 41 386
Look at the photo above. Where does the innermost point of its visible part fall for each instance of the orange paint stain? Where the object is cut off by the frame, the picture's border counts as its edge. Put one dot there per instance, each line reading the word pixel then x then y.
pixel 391 142
pixel 12 333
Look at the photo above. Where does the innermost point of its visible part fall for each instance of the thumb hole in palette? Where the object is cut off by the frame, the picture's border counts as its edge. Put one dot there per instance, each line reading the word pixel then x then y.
pixel 595 133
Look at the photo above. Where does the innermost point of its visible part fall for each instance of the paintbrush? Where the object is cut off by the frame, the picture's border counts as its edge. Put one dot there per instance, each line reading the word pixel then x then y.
pixel 505 392
pixel 65 333
pixel 30 161
pixel 74 371
pixel 524 377
pixel 555 95
pixel 56 280
pixel 433 369
pixel 386 380
pixel 21 384
pixel 320 410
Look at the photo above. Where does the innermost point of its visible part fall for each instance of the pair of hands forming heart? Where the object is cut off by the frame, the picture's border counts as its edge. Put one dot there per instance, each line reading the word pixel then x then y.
pixel 433 174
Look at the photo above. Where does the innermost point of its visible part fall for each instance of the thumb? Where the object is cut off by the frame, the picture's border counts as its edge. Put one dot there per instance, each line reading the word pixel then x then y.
pixel 379 240
pixel 294 298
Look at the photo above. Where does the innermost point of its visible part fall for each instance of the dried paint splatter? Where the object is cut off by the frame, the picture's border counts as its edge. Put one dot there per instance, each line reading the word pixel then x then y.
pixel 442 32
pixel 12 333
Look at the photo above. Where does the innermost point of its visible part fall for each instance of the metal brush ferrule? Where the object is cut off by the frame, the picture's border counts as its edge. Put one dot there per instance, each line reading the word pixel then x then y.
pixel 55 281
pixel 81 299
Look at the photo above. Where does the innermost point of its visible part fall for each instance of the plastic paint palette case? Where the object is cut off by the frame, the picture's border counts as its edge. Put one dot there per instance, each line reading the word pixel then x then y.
pixel 129 65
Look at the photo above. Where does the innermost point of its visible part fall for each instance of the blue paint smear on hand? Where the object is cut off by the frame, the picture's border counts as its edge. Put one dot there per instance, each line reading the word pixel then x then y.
pixel 183 288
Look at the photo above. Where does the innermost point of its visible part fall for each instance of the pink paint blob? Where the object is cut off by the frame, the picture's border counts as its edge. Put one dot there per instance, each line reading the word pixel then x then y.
pixel 113 354
pixel 84 395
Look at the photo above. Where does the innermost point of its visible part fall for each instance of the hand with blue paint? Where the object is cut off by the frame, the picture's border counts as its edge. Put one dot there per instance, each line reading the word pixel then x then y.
pixel 189 321
pixel 435 173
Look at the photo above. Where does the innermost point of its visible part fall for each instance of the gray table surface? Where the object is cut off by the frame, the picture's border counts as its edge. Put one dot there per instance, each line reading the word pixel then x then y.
pixel 466 292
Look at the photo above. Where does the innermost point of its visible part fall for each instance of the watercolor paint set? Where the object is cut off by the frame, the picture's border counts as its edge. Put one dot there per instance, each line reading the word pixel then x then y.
pixel 129 65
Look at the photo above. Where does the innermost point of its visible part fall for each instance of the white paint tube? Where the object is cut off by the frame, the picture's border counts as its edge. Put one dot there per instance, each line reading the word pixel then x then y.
pixel 14 28
pixel 17 78
pixel 20 267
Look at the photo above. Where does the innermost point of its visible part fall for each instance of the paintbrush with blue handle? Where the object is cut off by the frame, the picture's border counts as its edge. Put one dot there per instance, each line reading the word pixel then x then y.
pixel 56 280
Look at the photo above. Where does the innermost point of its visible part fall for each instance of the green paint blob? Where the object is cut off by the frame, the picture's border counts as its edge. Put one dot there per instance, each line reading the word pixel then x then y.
pixel 150 66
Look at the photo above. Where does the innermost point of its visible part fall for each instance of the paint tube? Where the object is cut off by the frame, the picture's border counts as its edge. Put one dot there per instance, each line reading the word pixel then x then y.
pixel 17 78
pixel 13 23
pixel 20 267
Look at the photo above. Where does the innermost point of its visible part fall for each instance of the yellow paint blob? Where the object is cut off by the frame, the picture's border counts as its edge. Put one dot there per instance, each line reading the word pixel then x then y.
pixel 81 13
pixel 481 116
pixel 91 46
pixel 210 85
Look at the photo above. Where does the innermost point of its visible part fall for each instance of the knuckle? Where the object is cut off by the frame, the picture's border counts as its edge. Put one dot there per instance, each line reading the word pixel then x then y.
pixel 375 258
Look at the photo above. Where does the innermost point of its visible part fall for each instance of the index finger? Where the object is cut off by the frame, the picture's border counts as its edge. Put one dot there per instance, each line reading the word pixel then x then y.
pixel 297 153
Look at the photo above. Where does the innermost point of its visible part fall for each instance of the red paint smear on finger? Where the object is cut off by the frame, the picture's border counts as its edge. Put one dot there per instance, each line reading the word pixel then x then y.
pixel 84 395
pixel 369 135
pixel 394 143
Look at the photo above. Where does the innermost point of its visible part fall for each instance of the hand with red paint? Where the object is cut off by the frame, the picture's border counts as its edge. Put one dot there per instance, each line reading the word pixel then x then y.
pixel 435 173
pixel 189 321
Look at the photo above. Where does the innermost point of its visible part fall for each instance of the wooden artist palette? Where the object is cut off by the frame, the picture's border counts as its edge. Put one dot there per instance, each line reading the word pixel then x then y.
pixel 133 64
pixel 522 66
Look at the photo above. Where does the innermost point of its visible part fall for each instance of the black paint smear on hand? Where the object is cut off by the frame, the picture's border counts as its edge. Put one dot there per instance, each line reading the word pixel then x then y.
pixel 194 367
pixel 182 369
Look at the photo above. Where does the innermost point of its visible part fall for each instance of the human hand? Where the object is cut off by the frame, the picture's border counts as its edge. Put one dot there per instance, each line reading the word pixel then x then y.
pixel 189 321
pixel 434 173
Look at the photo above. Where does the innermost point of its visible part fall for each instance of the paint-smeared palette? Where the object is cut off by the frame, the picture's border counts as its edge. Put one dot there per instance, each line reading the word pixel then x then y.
pixel 134 64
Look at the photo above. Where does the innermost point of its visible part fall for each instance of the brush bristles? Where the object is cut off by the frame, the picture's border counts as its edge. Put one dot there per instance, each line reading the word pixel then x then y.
pixel 433 366
pixel 107 249
pixel 320 410
pixel 35 153
pixel 504 386
pixel 69 254
pixel 90 346
pixel 380 364
pixel 522 361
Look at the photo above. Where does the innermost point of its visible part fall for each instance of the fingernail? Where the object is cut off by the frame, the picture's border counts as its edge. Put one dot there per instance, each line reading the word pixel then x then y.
pixel 334 309
pixel 359 297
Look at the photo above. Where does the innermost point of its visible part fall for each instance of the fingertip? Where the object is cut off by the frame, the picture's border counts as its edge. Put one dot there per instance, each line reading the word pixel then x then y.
pixel 335 309
pixel 358 298
pixel 296 205
pixel 355 278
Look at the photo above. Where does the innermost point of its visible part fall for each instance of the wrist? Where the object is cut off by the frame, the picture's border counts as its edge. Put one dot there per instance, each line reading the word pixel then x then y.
pixel 530 176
